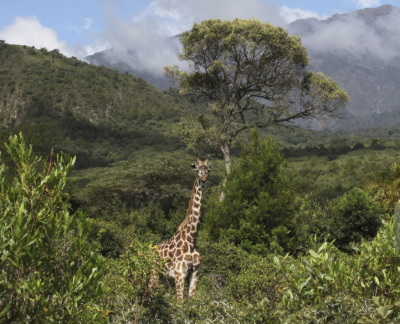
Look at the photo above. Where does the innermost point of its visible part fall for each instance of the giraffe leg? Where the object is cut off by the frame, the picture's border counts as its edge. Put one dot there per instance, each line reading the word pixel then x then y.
pixel 193 279
pixel 194 275
pixel 179 285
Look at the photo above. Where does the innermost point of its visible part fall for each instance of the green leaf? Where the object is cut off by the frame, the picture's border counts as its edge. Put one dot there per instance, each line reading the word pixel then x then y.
pixel 384 311
pixel 314 254
pixel 323 247
pixel 303 284
pixel 5 310
pixel 375 299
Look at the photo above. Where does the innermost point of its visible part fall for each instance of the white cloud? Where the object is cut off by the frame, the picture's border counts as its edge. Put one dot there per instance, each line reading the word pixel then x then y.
pixel 29 31
pixel 352 35
pixel 292 14
pixel 144 41
pixel 88 23
pixel 367 3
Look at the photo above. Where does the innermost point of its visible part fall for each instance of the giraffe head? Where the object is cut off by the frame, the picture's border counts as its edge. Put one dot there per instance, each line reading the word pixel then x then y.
pixel 203 169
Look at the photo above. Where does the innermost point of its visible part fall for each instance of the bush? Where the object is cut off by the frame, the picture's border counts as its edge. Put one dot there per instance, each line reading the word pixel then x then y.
pixel 356 216
pixel 257 211
pixel 118 226
pixel 135 298
pixel 221 261
pixel 326 284
pixel 49 272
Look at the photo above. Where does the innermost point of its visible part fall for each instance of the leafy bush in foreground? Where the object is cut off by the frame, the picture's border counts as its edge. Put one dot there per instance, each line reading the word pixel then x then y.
pixel 327 285
pixel 356 216
pixel 134 297
pixel 48 272
pixel 257 211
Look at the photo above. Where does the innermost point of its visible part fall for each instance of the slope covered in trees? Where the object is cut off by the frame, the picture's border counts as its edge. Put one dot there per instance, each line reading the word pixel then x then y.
pixel 133 179
pixel 94 112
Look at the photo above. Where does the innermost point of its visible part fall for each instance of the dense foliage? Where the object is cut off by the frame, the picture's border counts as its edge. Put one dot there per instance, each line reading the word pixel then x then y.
pixel 49 271
pixel 95 113
pixel 356 216
pixel 294 240
pixel 257 211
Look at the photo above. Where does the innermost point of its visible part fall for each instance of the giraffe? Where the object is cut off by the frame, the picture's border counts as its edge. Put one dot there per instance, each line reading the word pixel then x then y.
pixel 183 258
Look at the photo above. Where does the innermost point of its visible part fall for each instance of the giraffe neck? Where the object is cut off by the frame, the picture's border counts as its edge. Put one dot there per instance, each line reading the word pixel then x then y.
pixel 191 223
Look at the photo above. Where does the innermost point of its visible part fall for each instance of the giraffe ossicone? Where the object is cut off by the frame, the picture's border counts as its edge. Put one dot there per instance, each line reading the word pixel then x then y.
pixel 183 260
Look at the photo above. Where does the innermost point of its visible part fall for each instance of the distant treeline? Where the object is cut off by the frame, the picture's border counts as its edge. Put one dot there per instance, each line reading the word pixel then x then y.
pixel 332 151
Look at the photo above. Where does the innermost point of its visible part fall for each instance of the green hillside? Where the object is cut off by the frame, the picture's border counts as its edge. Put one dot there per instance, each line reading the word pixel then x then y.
pixel 118 121
pixel 118 126
pixel 331 258
pixel 93 112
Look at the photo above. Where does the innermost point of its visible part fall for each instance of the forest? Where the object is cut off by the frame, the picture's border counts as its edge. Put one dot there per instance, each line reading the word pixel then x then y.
pixel 96 171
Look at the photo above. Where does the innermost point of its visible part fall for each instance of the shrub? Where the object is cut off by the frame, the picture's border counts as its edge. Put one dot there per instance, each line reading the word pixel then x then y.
pixel 258 200
pixel 135 298
pixel 118 226
pixel 221 261
pixel 326 284
pixel 356 216
pixel 48 271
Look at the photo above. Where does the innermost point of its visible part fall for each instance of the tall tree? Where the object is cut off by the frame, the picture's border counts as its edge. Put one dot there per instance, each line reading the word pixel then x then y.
pixel 254 75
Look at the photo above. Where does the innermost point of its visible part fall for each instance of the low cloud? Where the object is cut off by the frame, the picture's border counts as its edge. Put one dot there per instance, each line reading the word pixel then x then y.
pixel 367 3
pixel 87 23
pixel 292 14
pixel 145 41
pixel 29 31
pixel 369 36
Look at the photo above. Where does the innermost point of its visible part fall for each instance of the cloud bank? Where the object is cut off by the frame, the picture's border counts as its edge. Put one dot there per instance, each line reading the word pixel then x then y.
pixel 29 31
pixel 145 41
pixel 367 3
pixel 291 14
pixel 363 35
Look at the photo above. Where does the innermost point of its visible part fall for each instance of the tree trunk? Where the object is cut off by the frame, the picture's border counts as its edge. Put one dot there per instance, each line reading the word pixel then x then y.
pixel 227 159
pixel 227 162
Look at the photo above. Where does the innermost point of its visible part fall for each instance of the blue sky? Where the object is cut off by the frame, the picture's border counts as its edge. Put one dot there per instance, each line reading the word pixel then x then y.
pixel 82 27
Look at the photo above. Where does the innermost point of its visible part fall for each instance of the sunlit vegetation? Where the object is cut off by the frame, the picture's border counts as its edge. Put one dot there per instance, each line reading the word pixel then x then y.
pixel 296 240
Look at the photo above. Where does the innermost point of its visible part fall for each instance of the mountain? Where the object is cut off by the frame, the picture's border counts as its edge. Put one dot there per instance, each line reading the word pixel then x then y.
pixel 370 16
pixel 361 52
pixel 90 111
pixel 110 59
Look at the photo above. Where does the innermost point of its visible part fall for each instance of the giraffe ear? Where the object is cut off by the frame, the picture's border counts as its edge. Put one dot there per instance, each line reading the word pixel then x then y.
pixel 207 163
pixel 194 166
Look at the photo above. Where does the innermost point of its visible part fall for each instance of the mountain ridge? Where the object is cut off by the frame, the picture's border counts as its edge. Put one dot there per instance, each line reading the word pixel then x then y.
pixel 369 15
pixel 366 63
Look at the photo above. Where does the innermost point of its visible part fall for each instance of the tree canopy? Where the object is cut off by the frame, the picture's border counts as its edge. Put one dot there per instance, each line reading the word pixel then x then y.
pixel 254 75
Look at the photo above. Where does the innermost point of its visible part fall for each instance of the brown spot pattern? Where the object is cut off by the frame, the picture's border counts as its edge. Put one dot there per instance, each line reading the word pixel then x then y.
pixel 180 249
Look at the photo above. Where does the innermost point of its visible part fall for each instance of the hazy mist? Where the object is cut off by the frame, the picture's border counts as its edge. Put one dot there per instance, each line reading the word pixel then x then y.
pixel 363 36
pixel 145 42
